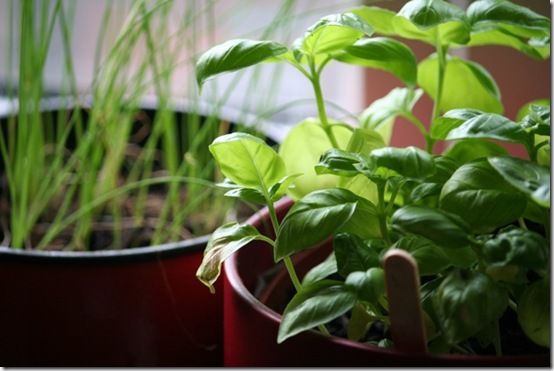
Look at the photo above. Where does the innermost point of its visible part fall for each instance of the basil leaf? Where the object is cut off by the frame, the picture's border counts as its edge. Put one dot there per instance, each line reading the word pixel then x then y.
pixel 353 254
pixel 381 114
pixel 528 177
pixel 480 196
pixel 430 258
pixel 368 286
pixel 234 55
pixel 410 162
pixel 314 218
pixel 224 241
pixel 468 150
pixel 302 158
pixel 438 226
pixel 424 190
pixel 466 85
pixel 432 21
pixel 321 271
pixel 516 246
pixel 496 22
pixel 315 305
pixel 339 162
pixel 538 120
pixel 364 141
pixel 277 190
pixel 490 126
pixel 533 312
pixel 247 194
pixel 248 161
pixel 451 120
pixel 378 18
pixel 466 302
pixel 383 54
pixel 334 32
pixel 444 168
pixel 365 220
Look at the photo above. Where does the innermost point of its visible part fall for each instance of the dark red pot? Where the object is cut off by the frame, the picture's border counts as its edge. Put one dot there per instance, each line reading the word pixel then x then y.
pixel 250 326
pixel 133 307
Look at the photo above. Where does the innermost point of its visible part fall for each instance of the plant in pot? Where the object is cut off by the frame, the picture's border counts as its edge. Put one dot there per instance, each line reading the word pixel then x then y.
pixel 106 205
pixel 432 259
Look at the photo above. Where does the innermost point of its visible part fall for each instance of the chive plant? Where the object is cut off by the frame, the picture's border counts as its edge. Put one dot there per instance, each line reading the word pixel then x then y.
pixel 68 170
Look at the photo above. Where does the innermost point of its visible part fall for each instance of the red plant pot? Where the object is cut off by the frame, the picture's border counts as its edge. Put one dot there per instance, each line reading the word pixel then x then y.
pixel 132 307
pixel 250 326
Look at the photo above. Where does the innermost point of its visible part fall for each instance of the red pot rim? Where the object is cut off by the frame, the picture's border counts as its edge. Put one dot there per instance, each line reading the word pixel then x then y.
pixel 233 276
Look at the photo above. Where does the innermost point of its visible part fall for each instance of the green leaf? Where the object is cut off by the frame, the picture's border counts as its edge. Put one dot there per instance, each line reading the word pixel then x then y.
pixel 321 271
pixel 248 161
pixel 533 312
pixel 364 140
pixel 538 120
pixel 410 162
pixel 378 18
pixel 224 241
pixel 359 322
pixel 438 226
pixel 277 190
pixel 353 254
pixel 314 218
pixel 334 32
pixel 480 196
pixel 234 55
pixel 444 168
pixel 315 305
pixel 468 150
pixel 466 302
pixel 432 21
pixel 490 126
pixel 381 114
pixel 526 108
pixel 247 194
pixel 424 190
pixel 516 246
pixel 528 177
pixel 339 162
pixel 466 85
pixel 302 158
pixel 368 286
pixel 430 258
pixel 364 222
pixel 496 22
pixel 451 120
pixel 384 54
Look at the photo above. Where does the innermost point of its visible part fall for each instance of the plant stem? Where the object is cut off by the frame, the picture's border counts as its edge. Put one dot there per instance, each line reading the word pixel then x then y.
pixel 497 341
pixel 321 105
pixel 441 53
pixel 382 212
pixel 288 262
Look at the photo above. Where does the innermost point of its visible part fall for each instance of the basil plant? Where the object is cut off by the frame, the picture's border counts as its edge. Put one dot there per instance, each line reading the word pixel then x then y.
pixel 475 218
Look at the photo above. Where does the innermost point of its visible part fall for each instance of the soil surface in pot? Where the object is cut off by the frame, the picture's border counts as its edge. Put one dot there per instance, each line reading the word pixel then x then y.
pixel 134 232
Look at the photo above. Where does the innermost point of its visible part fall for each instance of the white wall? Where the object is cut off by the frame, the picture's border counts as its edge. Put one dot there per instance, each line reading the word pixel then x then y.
pixel 342 84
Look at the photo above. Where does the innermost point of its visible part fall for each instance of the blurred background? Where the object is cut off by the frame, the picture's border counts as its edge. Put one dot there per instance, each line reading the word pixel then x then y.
pixel 275 93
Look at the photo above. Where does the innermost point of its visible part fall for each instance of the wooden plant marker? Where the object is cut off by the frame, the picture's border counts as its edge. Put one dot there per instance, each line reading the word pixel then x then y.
pixel 406 315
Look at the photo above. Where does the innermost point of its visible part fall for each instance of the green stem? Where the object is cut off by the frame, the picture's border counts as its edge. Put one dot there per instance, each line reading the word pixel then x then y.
pixel 382 212
pixel 497 342
pixel 441 53
pixel 430 142
pixel 512 305
pixel 321 105
pixel 288 262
